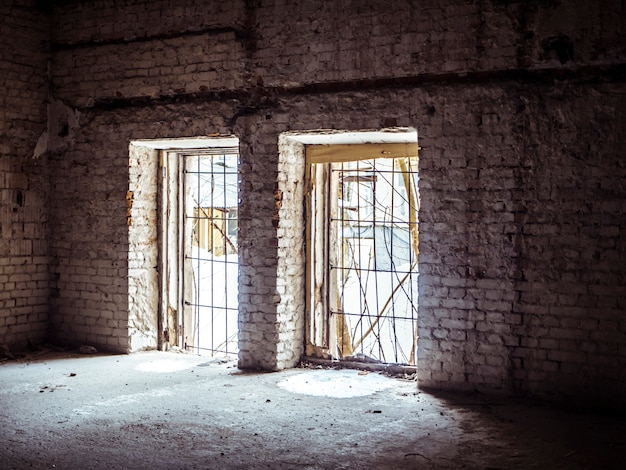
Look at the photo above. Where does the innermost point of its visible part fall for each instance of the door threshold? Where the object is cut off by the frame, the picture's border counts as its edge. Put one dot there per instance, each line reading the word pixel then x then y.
pixel 399 370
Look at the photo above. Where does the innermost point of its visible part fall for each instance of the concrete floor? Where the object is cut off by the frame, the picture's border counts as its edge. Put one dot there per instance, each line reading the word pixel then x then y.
pixel 171 410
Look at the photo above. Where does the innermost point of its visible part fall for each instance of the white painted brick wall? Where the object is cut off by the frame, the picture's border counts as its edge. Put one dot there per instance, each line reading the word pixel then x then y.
pixel 522 278
pixel 24 280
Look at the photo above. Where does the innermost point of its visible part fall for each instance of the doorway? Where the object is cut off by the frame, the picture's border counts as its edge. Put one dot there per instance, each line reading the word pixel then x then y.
pixel 362 238
pixel 210 200
pixel 183 213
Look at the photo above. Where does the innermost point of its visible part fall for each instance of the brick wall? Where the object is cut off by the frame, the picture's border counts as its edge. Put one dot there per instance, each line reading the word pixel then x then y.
pixel 89 237
pixel 24 280
pixel 272 333
pixel 570 270
pixel 133 49
pixel 101 265
pixel 136 49
pixel 519 108
pixel 536 274
pixel 142 222
pixel 289 220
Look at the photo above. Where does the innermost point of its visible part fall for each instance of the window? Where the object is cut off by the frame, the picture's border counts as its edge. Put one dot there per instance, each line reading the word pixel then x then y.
pixel 362 252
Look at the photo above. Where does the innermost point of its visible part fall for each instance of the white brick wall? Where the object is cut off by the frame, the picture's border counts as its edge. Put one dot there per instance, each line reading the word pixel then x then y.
pixel 522 184
pixel 24 279
pixel 143 286
pixel 89 244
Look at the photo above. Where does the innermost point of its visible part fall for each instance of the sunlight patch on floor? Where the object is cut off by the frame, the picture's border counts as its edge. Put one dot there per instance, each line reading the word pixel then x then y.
pixel 163 366
pixel 336 383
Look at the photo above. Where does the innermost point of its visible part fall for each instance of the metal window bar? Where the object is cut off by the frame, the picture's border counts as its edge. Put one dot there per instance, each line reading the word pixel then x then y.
pixel 211 191
pixel 382 328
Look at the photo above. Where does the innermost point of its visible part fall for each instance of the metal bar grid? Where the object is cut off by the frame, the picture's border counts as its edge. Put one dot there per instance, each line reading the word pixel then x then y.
pixel 211 202
pixel 372 270
pixel 376 268
pixel 364 315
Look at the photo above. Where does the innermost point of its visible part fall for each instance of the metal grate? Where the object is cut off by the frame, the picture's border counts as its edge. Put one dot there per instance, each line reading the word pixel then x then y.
pixel 372 245
pixel 211 264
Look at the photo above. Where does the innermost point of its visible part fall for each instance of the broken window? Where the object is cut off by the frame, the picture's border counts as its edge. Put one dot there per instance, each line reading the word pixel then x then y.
pixel 362 253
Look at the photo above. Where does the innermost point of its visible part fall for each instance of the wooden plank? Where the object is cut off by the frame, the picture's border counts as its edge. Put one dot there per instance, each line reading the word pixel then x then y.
pixel 354 152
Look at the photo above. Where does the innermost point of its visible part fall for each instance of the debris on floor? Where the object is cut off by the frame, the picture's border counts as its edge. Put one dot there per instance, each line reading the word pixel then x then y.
pixel 147 410
pixel 40 351
pixel 5 353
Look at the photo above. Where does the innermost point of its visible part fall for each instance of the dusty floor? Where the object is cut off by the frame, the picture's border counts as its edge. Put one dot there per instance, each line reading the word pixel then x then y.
pixel 168 410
